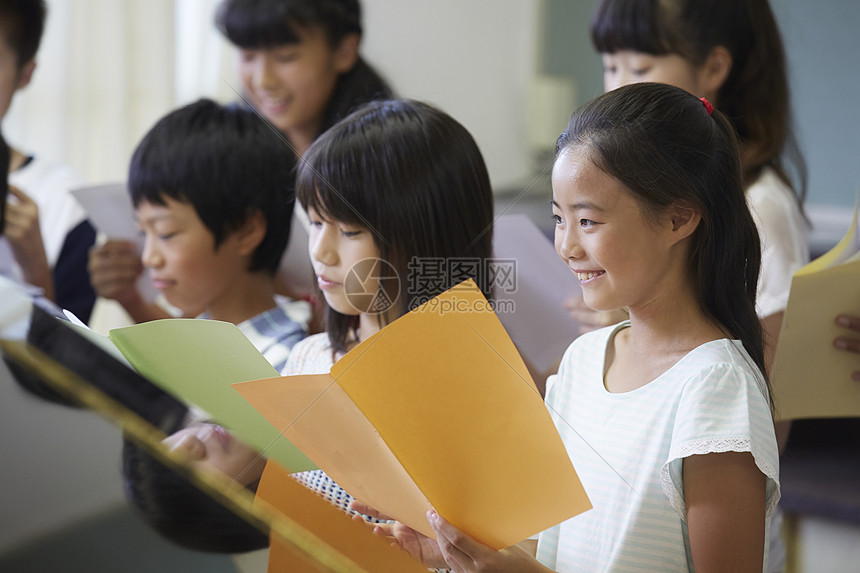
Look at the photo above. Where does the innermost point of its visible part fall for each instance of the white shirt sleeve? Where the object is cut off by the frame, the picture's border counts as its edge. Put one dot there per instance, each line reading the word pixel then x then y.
pixel 784 240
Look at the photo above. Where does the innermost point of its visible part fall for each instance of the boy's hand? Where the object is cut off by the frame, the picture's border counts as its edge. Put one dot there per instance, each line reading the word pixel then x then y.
pixel 25 238
pixel 114 268
pixel 849 343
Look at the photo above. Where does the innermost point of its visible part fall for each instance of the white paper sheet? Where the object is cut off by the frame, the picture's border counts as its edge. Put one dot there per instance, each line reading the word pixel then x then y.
pixel 110 211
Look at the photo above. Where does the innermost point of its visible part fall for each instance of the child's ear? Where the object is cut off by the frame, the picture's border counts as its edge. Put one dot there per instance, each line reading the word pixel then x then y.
pixel 25 74
pixel 715 70
pixel 685 219
pixel 346 53
pixel 251 233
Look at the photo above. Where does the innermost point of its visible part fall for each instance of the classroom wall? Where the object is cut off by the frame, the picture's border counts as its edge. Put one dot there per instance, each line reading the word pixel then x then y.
pixel 822 48
pixel 472 58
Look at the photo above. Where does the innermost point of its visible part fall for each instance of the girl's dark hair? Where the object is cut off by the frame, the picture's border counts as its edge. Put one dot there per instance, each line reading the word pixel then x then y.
pixel 179 511
pixel 415 178
pixel 660 142
pixel 260 24
pixel 754 96
pixel 23 22
pixel 225 163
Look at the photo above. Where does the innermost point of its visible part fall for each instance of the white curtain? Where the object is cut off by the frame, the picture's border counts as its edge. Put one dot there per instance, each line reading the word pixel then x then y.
pixel 205 62
pixel 107 70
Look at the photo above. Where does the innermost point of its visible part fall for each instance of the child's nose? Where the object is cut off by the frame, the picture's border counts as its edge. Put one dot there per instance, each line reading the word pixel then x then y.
pixel 264 76
pixel 569 247
pixel 323 248
pixel 151 256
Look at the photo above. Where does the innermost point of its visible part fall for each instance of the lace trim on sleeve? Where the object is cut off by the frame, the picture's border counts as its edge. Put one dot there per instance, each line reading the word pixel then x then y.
pixel 713 446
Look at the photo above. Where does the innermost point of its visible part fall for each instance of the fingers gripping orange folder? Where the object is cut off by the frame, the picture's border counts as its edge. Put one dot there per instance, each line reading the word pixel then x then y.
pixel 435 410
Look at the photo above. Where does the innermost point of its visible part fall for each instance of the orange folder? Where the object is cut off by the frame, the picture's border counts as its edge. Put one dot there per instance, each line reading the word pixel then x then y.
pixel 436 410
pixel 352 539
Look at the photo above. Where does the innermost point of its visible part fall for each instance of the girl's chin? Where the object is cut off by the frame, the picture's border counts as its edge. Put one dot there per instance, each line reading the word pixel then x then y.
pixel 339 305
pixel 182 306
pixel 598 305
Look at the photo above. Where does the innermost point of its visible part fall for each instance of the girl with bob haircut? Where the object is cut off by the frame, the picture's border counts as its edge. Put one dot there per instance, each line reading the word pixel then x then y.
pixel 411 180
pixel 666 416
pixel 393 186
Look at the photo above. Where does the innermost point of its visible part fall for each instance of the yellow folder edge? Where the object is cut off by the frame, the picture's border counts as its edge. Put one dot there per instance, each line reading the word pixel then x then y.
pixel 796 367
pixel 837 252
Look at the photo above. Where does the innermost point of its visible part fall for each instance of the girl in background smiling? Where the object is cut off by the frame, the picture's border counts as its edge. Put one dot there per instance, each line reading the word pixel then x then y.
pixel 299 62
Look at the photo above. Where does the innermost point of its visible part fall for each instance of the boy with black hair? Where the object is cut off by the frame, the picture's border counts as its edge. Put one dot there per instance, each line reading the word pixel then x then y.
pixel 45 235
pixel 212 191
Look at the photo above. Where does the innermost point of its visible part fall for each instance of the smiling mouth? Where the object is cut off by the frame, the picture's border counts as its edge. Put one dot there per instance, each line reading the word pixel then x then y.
pixel 270 103
pixel 587 276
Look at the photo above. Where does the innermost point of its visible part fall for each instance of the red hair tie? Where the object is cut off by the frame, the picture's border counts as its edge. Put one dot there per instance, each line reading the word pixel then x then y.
pixel 707 104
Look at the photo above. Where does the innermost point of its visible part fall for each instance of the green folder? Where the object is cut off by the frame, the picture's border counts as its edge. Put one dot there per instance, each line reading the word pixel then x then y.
pixel 197 361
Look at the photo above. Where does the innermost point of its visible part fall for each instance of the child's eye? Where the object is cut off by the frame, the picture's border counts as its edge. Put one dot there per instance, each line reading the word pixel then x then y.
pixel 286 58
pixel 348 233
pixel 285 55
pixel 248 55
pixel 586 223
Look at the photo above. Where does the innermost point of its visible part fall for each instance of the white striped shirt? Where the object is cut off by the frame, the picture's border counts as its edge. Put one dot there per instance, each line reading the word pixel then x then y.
pixel 628 450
